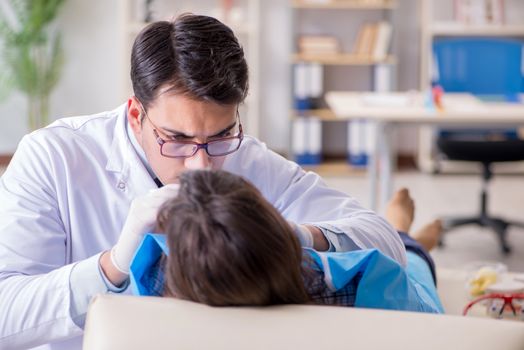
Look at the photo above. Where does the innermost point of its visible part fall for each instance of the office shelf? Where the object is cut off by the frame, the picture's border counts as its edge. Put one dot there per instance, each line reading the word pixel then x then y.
pixel 357 26
pixel 336 168
pixel 322 113
pixel 457 29
pixel 341 59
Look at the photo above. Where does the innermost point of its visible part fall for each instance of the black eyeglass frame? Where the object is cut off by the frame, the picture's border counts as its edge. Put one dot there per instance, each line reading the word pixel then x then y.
pixel 197 146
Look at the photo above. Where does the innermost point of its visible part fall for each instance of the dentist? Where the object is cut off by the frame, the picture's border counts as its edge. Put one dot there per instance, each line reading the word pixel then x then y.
pixel 79 194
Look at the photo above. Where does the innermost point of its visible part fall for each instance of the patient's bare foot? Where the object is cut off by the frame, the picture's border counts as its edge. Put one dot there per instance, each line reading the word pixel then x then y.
pixel 428 236
pixel 401 210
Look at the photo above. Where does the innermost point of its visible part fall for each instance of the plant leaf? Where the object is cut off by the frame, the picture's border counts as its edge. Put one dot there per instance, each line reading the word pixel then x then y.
pixel 32 60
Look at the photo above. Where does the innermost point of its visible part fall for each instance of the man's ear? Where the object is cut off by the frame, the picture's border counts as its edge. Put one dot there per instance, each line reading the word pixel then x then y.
pixel 135 115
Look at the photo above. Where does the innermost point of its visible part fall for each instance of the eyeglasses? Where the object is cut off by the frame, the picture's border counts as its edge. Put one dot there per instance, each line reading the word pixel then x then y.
pixel 186 149
pixel 501 302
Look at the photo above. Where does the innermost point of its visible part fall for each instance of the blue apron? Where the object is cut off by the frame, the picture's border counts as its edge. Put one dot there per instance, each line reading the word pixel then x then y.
pixel 384 284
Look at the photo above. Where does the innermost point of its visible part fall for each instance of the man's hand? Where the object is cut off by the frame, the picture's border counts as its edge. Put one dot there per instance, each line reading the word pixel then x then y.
pixel 140 220
pixel 310 236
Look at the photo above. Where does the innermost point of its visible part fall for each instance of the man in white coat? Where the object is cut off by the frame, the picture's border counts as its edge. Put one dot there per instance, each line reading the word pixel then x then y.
pixel 80 193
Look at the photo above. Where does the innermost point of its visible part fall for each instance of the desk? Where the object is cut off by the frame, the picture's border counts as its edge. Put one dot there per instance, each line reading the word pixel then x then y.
pixel 386 110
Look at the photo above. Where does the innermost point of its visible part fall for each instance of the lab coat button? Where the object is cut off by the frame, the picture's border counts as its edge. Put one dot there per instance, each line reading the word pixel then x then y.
pixel 122 185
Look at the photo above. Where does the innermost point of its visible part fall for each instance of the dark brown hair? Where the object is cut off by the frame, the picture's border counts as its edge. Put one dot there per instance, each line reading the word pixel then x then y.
pixel 193 55
pixel 228 245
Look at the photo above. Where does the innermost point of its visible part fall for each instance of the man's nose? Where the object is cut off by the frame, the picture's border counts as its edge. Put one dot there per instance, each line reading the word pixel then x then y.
pixel 199 161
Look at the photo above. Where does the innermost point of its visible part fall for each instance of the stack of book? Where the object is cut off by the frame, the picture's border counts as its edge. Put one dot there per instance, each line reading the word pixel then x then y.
pixel 479 11
pixel 373 40
pixel 318 44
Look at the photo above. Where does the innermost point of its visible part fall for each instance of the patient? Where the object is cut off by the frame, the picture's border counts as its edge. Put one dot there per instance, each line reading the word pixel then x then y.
pixel 230 247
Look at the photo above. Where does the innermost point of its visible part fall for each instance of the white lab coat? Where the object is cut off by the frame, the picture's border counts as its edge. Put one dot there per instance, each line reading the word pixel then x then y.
pixel 65 196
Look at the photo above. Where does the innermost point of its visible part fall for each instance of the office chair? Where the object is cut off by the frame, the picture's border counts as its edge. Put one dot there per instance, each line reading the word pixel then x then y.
pixel 486 153
pixel 482 67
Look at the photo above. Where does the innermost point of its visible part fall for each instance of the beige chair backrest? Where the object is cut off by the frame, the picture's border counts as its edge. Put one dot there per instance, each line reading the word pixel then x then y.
pixel 128 322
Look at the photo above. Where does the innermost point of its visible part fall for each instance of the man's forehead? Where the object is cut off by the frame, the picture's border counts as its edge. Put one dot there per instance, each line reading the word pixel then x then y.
pixel 172 100
pixel 189 129
pixel 182 115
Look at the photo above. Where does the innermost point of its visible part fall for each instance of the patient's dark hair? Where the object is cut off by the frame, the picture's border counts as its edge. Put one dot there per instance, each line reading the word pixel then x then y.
pixel 196 56
pixel 228 245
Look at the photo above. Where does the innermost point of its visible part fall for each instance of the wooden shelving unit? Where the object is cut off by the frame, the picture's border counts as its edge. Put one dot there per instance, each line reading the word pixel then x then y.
pixel 313 18
pixel 456 29
pixel 322 113
pixel 335 168
pixel 341 59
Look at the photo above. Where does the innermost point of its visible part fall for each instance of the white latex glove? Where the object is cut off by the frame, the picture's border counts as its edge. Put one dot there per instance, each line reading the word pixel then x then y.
pixel 303 234
pixel 140 220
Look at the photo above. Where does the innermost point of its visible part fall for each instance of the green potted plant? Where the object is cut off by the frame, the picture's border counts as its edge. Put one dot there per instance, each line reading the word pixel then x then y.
pixel 31 53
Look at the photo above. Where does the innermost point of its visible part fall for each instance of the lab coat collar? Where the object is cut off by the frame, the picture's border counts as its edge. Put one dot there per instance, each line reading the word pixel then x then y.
pixel 138 149
pixel 115 161
pixel 124 160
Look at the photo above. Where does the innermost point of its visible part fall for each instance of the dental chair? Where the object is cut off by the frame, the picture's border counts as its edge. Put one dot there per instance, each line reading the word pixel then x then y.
pixel 128 322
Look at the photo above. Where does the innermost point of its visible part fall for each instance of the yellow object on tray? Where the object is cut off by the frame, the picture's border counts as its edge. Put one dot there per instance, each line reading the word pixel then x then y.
pixel 484 277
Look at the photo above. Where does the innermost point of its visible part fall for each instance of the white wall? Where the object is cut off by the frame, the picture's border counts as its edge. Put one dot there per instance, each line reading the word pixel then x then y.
pixel 91 78
pixel 406 45
pixel 275 74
